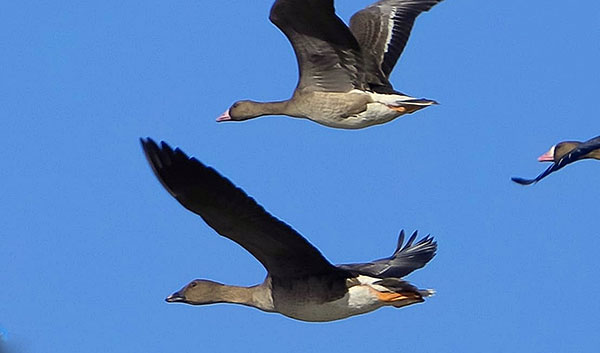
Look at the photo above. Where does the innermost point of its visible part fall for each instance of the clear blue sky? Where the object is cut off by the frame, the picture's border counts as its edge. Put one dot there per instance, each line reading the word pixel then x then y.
pixel 91 244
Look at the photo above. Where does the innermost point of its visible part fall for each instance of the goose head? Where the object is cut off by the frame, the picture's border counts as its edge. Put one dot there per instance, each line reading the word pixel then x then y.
pixel 198 292
pixel 242 110
pixel 557 151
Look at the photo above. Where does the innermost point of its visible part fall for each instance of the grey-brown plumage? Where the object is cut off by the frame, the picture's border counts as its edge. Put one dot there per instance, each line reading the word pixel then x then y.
pixel 342 69
pixel 300 282
pixel 382 30
pixel 329 57
pixel 563 154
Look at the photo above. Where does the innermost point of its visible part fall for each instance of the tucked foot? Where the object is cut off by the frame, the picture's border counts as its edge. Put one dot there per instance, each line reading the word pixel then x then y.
pixel 411 105
pixel 403 298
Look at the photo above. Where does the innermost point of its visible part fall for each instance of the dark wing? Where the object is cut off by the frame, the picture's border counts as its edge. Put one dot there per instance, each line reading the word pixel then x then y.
pixel 405 259
pixel 233 214
pixel 329 57
pixel 522 181
pixel 382 29
pixel 573 156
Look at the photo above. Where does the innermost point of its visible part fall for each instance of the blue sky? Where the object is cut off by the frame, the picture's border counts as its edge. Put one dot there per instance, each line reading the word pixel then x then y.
pixel 91 244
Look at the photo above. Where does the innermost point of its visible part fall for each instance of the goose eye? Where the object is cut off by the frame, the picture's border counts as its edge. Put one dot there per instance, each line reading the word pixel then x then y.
pixel 193 284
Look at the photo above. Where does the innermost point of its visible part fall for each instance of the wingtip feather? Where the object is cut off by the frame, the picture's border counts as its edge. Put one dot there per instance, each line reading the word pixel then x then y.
pixel 522 181
pixel 400 241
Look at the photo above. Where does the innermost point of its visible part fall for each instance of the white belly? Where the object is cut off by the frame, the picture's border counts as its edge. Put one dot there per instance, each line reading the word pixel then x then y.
pixel 378 112
pixel 358 300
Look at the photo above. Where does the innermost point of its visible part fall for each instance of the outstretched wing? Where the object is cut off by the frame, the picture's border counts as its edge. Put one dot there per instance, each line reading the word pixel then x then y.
pixel 233 214
pixel 329 57
pixel 548 171
pixel 382 29
pixel 405 259
pixel 573 156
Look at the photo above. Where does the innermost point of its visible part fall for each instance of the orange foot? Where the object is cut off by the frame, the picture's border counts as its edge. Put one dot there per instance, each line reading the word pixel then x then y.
pixel 398 109
pixel 390 297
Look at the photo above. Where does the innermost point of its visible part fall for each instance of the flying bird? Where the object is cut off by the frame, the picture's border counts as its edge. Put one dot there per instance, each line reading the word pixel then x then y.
pixel 344 71
pixel 563 154
pixel 300 282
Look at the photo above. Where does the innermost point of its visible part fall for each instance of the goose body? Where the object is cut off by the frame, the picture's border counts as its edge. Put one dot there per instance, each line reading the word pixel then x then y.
pixel 361 109
pixel 344 71
pixel 300 282
pixel 563 154
pixel 360 295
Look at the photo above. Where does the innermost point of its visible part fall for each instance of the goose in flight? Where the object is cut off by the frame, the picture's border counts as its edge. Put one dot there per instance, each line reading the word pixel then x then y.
pixel 344 71
pixel 563 154
pixel 300 282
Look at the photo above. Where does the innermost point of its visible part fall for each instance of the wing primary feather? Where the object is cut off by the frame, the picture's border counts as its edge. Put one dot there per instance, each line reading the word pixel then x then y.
pixel 522 181
pixel 405 259
pixel 411 240
pixel 235 215
pixel 400 241
pixel 383 28
pixel 551 169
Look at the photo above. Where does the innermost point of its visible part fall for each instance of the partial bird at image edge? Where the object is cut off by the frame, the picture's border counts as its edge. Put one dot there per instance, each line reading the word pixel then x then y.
pixel 563 154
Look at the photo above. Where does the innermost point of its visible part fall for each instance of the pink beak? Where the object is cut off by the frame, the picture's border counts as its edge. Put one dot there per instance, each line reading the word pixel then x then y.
pixel 547 157
pixel 224 117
